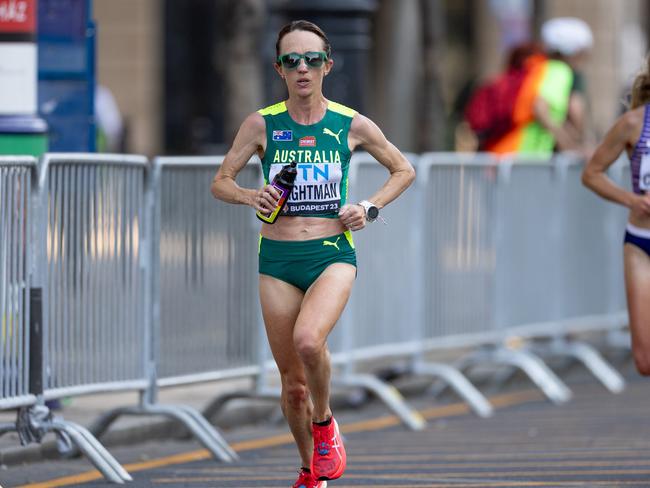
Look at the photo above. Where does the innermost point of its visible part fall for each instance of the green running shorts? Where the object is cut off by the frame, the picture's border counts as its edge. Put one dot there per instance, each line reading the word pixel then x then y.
pixel 300 263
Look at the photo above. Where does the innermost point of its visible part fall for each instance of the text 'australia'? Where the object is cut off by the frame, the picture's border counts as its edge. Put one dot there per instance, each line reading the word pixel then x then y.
pixel 306 156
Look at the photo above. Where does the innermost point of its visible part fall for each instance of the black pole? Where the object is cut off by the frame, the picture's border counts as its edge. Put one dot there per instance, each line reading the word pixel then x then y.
pixel 36 341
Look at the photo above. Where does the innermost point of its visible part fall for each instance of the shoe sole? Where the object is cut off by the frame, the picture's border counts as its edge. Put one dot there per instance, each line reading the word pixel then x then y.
pixel 335 476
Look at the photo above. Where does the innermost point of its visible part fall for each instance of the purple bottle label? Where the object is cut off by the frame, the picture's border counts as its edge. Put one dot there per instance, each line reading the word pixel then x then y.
pixel 284 194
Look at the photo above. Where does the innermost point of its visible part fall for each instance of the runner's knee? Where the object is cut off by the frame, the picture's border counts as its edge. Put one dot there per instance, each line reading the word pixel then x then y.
pixel 295 392
pixel 309 347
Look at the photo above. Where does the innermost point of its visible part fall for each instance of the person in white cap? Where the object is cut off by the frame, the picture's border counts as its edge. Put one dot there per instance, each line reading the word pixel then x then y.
pixel 568 36
pixel 549 108
pixel 569 39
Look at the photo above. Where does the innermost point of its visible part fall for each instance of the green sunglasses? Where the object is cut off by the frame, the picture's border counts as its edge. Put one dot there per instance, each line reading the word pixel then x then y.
pixel 313 59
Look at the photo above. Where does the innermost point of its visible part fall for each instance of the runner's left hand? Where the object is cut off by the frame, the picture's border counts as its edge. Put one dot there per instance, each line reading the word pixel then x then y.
pixel 352 216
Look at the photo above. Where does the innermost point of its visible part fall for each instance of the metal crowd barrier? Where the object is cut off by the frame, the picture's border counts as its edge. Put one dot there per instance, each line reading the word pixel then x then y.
pixel 206 306
pixel 519 255
pixel 458 214
pixel 61 344
pixel 16 175
pixel 572 284
pixel 384 316
pixel 117 275
pixel 484 255
pixel 91 279
pixel 96 237
pixel 206 275
pixel 451 240
pixel 378 318
pixel 208 288
pixel 472 253
pixel 117 245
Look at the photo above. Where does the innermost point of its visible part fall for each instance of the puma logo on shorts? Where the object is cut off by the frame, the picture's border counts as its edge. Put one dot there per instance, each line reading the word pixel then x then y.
pixel 300 263
pixel 335 243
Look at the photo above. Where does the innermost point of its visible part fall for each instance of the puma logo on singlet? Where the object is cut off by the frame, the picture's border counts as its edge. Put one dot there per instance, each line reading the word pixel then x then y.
pixel 335 243
pixel 330 133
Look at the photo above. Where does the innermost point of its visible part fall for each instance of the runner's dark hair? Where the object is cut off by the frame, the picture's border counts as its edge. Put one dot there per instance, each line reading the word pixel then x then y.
pixel 303 25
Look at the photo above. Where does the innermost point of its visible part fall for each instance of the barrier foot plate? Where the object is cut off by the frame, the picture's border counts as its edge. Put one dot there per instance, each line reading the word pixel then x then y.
pixel 388 394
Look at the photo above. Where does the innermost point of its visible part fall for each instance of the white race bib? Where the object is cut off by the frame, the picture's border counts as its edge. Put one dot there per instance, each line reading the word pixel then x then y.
pixel 316 191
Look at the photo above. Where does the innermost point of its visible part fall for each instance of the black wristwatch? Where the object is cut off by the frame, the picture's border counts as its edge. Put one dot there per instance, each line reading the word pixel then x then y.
pixel 372 212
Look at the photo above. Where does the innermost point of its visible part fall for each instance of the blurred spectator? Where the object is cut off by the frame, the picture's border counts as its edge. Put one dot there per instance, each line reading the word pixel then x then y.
pixel 489 110
pixel 570 40
pixel 546 94
pixel 110 127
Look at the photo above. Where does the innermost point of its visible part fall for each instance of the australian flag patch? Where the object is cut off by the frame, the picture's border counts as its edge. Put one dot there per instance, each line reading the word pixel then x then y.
pixel 282 135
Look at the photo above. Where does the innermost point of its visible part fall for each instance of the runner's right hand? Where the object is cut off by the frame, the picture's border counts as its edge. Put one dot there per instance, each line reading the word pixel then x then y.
pixel 266 199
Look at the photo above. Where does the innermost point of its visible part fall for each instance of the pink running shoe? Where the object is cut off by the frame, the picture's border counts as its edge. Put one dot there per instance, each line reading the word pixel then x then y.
pixel 329 460
pixel 306 480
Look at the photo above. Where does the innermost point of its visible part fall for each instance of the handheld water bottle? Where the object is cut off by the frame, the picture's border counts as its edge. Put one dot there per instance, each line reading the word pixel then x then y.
pixel 283 182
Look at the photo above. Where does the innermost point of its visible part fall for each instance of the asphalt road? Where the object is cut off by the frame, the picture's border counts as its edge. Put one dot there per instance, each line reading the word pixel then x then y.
pixel 597 439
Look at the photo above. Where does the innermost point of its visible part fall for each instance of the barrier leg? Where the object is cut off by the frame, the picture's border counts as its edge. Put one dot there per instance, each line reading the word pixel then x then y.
pixel 552 386
pixel 101 458
pixel 208 436
pixel 461 385
pixel 591 359
pixel 388 394
pixel 92 448
pixel 218 403
pixel 539 373
pixel 96 429
pixel 104 421
pixel 209 429
pixel 195 423
pixel 35 422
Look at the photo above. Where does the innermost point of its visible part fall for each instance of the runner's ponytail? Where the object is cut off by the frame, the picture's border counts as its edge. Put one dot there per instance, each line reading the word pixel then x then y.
pixel 641 87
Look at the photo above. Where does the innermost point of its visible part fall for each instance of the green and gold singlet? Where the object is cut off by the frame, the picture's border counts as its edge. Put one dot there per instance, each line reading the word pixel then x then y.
pixel 322 153
pixel 320 190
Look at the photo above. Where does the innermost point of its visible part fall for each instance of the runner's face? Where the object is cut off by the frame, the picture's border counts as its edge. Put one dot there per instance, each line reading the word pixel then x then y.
pixel 304 80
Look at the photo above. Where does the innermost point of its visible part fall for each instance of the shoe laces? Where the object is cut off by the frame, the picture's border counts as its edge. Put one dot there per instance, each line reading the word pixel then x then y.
pixel 322 440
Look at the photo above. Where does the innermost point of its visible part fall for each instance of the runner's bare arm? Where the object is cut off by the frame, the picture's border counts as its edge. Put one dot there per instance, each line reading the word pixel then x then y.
pixel 365 133
pixel 250 139
pixel 594 175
